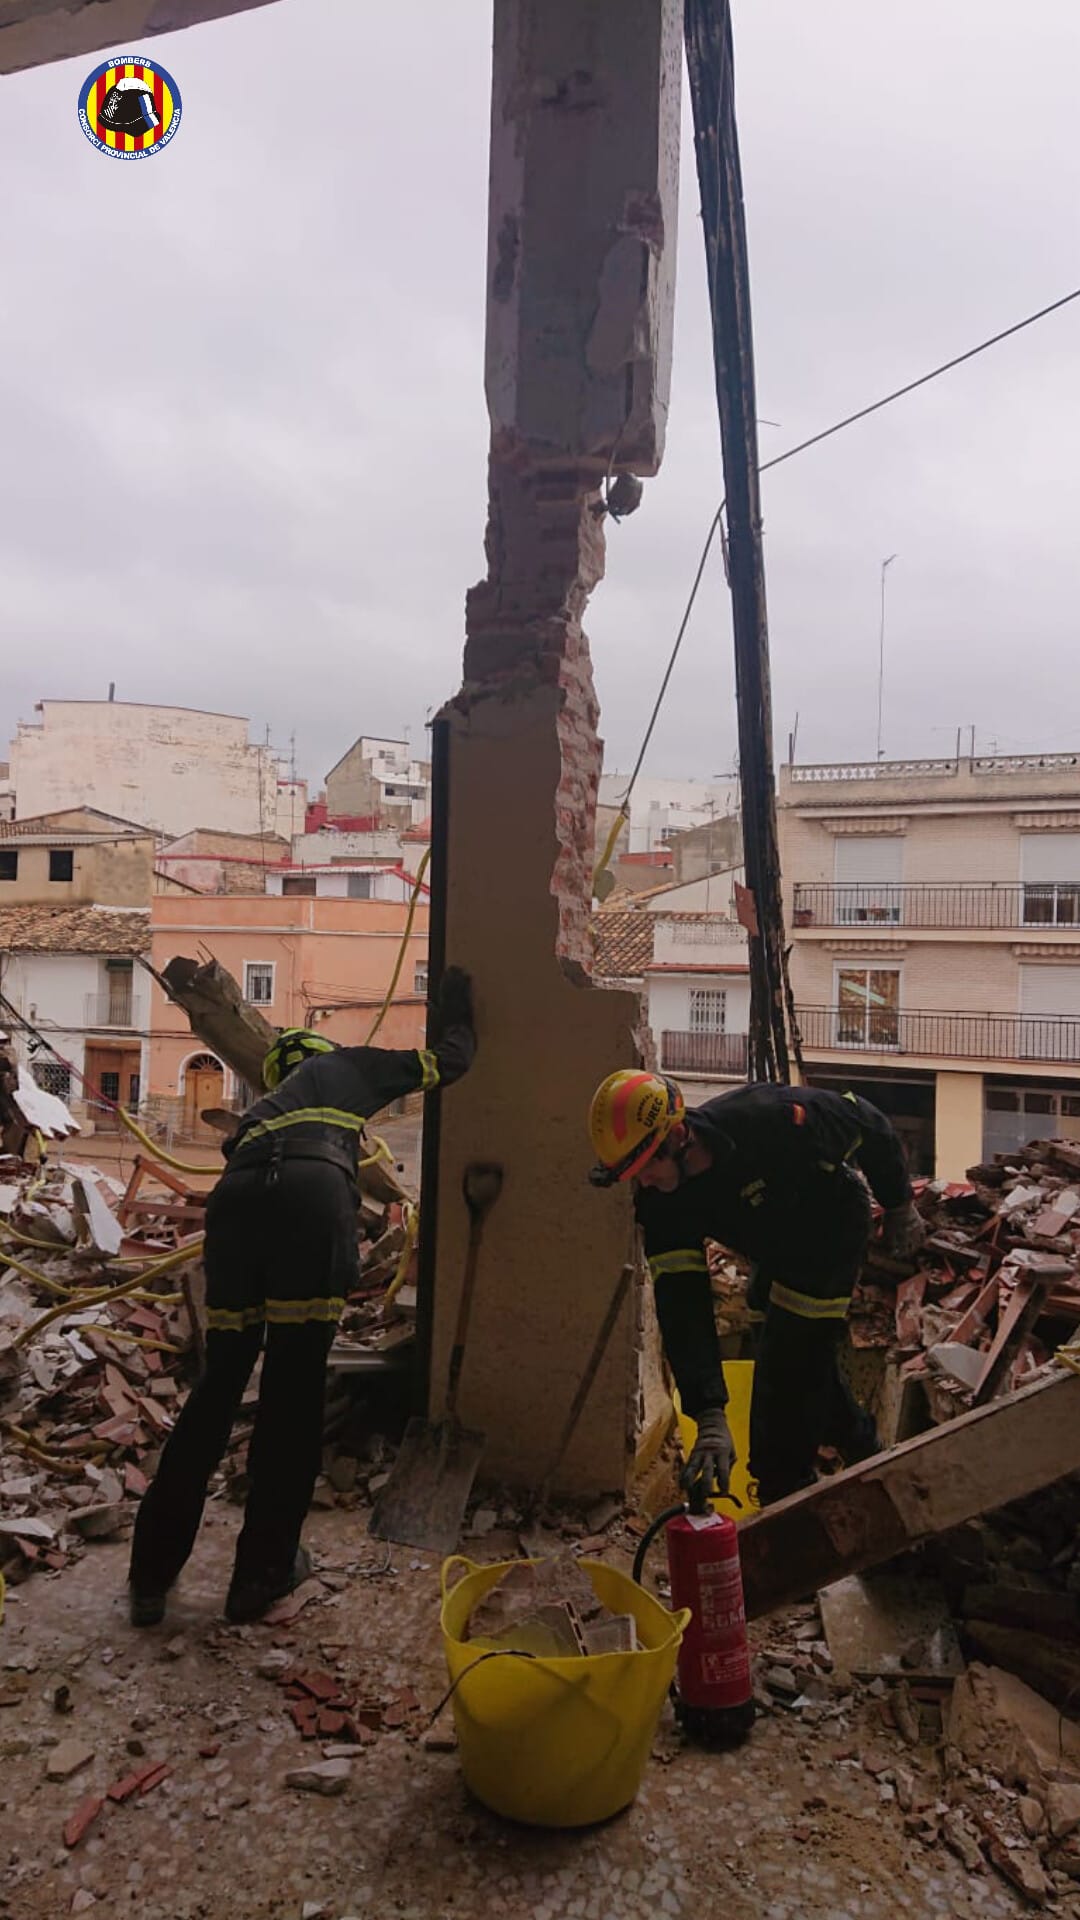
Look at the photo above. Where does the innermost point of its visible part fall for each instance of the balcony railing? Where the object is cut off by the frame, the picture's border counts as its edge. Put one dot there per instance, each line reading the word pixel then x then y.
pixel 114 1009
pixel 724 1054
pixel 883 904
pixel 952 1036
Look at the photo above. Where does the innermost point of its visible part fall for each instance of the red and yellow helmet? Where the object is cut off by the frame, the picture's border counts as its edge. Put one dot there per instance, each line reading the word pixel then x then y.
pixel 631 1116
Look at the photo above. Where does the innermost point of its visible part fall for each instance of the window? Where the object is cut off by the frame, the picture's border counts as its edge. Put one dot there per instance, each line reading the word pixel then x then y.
pixel 420 978
pixel 109 1086
pixel 708 1009
pixel 259 982
pixel 1050 1000
pixel 868 1007
pixel 120 975
pixel 134 1089
pixel 1050 865
pixel 302 884
pixel 868 869
pixel 51 1077
pixel 359 886
pixel 61 863
pixel 9 863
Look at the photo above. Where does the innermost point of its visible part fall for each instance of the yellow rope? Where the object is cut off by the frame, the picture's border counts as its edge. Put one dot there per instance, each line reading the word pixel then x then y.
pixel 1069 1354
pixel 26 1444
pixel 121 1333
pixel 381 1015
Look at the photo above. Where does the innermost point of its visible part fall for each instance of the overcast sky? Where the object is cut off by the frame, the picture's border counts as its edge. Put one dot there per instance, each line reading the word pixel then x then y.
pixel 242 406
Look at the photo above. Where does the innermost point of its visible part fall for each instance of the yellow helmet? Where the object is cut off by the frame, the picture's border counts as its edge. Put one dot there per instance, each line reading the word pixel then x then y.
pixel 291 1048
pixel 631 1116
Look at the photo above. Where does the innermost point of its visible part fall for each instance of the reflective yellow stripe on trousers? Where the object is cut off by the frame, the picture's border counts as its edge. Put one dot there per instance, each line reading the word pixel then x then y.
pixel 277 1313
pixel 686 1260
pixel 807 1305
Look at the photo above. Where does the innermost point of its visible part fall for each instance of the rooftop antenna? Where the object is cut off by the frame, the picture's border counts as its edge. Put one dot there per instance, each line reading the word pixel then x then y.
pixel 112 690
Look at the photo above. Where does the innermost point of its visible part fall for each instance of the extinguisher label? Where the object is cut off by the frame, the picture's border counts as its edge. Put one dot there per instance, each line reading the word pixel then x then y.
pixel 721 1608
pixel 724 1669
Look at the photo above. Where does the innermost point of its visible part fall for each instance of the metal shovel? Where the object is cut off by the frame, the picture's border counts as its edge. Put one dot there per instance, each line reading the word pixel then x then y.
pixel 423 1502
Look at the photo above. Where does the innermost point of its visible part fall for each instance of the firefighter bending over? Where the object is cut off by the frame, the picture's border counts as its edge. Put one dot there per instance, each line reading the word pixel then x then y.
pixel 770 1173
pixel 281 1257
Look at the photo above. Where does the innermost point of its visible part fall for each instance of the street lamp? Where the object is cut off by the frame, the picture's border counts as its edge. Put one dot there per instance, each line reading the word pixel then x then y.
pixel 885 565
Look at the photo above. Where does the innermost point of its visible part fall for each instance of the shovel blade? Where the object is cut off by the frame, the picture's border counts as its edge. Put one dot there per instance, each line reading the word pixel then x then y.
pixel 423 1502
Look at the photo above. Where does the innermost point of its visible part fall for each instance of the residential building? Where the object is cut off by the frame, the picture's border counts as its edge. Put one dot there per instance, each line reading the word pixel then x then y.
pixel 380 781
pixel 326 846
pixel 934 913
pixel 78 854
pixel 73 973
pixel 310 961
pixel 343 880
pixel 167 768
pixel 292 806
pixel 7 793
pixel 711 848
pixel 206 861
pixel 660 809
pixel 691 967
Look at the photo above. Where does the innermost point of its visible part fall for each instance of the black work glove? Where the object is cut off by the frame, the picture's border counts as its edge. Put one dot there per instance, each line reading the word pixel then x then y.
pixel 713 1455
pixel 454 1000
pixel 902 1232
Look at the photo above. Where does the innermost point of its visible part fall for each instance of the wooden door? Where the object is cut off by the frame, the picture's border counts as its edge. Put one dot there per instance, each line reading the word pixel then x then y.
pixel 204 1086
pixel 104 1069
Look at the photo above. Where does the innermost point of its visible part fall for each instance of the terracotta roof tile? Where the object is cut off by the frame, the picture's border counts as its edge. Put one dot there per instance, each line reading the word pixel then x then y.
pixel 41 929
pixel 622 943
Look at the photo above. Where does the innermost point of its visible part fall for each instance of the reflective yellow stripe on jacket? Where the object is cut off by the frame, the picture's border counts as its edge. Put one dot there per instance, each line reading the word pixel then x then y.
pixel 807 1305
pixel 686 1260
pixel 429 1067
pixel 305 1116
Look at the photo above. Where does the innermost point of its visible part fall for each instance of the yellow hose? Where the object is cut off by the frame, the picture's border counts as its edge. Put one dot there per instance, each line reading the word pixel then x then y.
pixel 412 1227
pixel 159 1153
pixel 134 1339
pixel 381 1015
pixel 97 1299
pixel 621 819
pixel 26 1444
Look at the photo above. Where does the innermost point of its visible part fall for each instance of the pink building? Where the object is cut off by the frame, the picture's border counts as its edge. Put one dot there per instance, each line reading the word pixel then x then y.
pixel 303 961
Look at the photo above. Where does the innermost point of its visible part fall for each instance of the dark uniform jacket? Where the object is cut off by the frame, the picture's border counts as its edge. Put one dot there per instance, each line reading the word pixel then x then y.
pixel 320 1109
pixel 783 1192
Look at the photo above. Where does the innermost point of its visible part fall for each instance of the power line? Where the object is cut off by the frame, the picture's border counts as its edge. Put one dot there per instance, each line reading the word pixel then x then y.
pixel 815 439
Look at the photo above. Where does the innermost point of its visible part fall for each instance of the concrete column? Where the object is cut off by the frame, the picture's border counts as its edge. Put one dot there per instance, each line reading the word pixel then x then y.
pixel 584 160
pixel 958 1124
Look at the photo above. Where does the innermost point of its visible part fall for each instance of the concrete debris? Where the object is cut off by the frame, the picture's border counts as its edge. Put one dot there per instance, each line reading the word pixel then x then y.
pixel 326 1776
pixel 1004 1727
pixel 68 1758
pixel 548 1608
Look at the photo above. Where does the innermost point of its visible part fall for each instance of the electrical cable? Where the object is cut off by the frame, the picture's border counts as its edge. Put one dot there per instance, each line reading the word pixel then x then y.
pixel 396 975
pixel 815 439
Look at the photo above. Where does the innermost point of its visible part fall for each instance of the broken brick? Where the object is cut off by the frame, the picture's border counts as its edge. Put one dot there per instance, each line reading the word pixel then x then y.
pixel 83 1818
pixel 154 1778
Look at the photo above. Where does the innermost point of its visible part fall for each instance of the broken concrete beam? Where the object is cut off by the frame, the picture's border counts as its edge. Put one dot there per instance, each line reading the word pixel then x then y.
pixel 1015 1321
pixel 34 33
pixel 861 1518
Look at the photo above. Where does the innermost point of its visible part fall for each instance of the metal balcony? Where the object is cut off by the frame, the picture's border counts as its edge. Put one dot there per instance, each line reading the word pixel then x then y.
pixel 105 1011
pixel 882 904
pixel 723 1055
pixel 993 1037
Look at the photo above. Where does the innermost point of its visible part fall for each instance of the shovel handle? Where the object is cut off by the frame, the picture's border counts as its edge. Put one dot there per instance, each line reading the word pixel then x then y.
pixel 468 1288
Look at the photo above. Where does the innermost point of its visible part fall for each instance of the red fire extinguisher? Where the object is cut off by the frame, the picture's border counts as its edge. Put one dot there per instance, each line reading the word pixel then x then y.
pixel 714 1693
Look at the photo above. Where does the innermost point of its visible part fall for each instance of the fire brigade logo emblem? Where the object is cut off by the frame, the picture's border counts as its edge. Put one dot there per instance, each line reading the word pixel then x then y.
pixel 129 108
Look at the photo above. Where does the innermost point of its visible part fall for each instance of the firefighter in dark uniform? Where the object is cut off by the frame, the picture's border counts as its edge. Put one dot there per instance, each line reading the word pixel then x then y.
pixel 281 1257
pixel 771 1173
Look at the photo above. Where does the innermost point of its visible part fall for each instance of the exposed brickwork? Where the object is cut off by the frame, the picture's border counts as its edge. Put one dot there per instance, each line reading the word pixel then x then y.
pixel 545 551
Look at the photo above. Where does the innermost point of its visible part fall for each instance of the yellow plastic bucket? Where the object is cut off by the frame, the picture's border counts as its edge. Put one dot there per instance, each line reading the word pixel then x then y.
pixel 557 1743
pixel 739 1375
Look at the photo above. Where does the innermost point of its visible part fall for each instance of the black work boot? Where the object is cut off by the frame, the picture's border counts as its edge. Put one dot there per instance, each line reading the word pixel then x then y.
pixel 145 1609
pixel 250 1599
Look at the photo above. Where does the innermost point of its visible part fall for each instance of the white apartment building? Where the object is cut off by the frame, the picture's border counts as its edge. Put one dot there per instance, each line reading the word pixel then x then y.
pixel 934 912
pixel 167 768
pixel 660 809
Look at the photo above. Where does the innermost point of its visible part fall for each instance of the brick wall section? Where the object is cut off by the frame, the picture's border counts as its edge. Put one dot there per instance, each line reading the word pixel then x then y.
pixel 545 551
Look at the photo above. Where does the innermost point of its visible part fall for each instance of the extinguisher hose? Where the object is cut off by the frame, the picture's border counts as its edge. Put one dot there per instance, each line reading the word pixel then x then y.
pixel 647 1538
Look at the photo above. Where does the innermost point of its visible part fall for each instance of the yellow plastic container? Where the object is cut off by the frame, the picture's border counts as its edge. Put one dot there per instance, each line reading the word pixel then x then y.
pixel 739 1375
pixel 557 1743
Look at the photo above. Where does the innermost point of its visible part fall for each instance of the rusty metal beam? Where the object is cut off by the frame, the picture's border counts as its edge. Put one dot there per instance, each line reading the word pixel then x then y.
pixel 858 1519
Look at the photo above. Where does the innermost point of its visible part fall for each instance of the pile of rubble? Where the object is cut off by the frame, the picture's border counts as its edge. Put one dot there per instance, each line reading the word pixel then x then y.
pixel 997 1288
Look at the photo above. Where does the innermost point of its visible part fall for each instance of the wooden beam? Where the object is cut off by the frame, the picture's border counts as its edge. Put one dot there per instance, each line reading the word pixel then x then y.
pixel 858 1519
pixel 1015 1322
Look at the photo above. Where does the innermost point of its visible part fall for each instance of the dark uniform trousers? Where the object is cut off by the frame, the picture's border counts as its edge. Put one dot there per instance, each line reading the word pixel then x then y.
pixel 800 1399
pixel 280 1257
